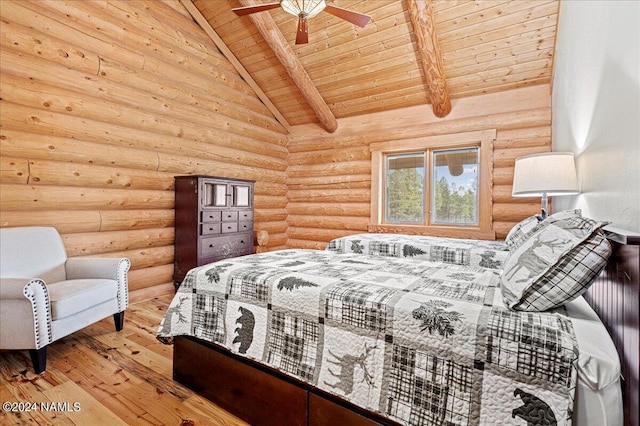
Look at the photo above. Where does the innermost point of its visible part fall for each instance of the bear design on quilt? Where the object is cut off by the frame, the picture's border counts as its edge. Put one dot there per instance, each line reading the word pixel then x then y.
pixel 533 410
pixel 244 332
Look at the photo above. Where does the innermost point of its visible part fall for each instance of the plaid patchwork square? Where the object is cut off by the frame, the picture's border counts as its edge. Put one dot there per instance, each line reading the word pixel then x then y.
pixel 535 345
pixel 427 390
pixel 381 248
pixel 457 256
pixel 469 292
pixel 208 317
pixel 293 345
pixel 252 283
pixel 361 305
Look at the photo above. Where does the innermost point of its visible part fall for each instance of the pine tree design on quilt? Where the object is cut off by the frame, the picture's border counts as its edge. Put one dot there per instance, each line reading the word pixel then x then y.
pixel 213 274
pixel 293 283
pixel 410 251
pixel 434 317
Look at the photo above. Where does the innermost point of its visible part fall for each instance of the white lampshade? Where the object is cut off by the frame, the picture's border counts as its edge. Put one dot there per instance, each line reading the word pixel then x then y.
pixel 552 173
pixel 308 8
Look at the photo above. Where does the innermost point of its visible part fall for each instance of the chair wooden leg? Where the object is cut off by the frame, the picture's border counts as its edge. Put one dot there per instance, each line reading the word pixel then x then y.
pixel 118 319
pixel 39 359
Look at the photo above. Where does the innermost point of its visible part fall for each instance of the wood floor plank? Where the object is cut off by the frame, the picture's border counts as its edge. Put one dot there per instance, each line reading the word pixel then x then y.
pixel 117 377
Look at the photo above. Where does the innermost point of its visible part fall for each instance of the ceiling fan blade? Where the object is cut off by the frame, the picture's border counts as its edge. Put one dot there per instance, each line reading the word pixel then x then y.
pixel 355 18
pixel 247 10
pixel 302 35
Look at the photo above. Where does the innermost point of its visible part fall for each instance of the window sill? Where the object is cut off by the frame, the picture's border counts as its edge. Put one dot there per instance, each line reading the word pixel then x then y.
pixel 467 232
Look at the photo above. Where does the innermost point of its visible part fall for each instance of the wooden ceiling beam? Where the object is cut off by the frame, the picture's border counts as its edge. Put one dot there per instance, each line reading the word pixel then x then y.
pixel 421 14
pixel 287 57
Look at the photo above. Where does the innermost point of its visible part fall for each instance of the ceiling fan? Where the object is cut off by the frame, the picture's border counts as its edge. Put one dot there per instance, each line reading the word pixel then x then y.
pixel 305 9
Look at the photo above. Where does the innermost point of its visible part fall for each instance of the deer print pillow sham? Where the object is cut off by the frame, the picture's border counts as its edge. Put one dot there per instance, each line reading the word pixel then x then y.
pixel 556 264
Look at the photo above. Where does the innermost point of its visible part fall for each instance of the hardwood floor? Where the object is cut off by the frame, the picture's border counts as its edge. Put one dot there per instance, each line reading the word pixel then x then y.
pixel 98 376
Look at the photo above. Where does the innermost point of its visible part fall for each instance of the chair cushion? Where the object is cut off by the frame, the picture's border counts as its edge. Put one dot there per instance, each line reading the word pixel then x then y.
pixel 73 296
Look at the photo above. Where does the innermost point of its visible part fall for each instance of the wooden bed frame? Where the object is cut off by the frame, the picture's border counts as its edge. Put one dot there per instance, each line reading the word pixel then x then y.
pixel 261 395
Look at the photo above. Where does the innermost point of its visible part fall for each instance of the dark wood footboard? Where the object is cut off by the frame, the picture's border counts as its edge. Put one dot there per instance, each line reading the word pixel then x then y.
pixel 615 297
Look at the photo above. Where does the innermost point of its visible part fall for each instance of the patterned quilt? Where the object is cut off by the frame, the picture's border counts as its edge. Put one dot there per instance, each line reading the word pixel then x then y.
pixel 419 342
pixel 484 253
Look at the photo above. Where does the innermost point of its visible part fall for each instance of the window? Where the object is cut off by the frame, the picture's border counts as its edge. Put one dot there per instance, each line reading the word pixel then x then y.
pixel 434 185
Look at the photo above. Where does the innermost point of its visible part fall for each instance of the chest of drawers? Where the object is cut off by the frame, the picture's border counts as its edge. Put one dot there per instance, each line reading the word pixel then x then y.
pixel 214 221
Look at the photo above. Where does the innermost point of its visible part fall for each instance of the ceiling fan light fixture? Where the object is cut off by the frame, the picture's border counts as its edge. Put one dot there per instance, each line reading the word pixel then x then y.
pixel 303 8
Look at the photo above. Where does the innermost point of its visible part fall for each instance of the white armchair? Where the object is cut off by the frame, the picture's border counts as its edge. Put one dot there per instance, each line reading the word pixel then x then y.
pixel 44 296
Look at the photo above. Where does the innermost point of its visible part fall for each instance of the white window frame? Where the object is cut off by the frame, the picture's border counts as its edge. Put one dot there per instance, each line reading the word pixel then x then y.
pixel 483 139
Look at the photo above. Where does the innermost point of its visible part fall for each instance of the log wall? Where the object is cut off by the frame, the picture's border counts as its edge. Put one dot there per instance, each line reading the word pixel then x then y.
pixel 103 102
pixel 329 175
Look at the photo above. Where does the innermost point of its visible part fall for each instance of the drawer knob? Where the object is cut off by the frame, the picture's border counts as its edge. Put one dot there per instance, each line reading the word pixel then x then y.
pixel 241 241
pixel 211 245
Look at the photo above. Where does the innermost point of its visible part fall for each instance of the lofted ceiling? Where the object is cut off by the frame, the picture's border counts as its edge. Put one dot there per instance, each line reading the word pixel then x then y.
pixel 484 46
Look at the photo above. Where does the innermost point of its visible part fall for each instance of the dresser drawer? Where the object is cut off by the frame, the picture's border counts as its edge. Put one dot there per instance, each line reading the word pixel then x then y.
pixel 224 246
pixel 245 215
pixel 210 228
pixel 244 226
pixel 228 227
pixel 206 216
pixel 229 216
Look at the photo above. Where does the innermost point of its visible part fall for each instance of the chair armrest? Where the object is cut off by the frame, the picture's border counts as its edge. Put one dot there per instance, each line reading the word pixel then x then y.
pixel 13 288
pixel 102 268
pixel 96 267
pixel 35 291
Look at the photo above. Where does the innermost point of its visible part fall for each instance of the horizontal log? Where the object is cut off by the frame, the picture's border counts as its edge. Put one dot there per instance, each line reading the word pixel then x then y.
pixel 507 157
pixel 142 258
pixel 502 229
pixel 329 209
pixel 118 220
pixel 269 202
pixel 14 170
pixel 262 187
pixel 44 23
pixel 149 277
pixel 46 197
pixel 36 146
pixel 277 241
pixel 542 141
pixel 526 133
pixel 271 227
pixel 31 42
pixel 330 156
pixel 183 165
pixel 45 172
pixel 316 234
pixel 31 119
pixel 268 215
pixel 156 290
pixel 503 175
pixel 65 221
pixel 502 194
pixel 330 195
pixel 344 181
pixel 514 212
pixel 91 243
pixel 345 168
pixel 353 223
pixel 308 245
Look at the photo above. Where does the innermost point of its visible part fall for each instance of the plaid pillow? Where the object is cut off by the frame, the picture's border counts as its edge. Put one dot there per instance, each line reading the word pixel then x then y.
pixel 555 265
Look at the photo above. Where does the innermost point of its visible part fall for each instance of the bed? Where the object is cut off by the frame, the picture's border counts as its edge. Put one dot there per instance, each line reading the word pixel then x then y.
pixel 387 329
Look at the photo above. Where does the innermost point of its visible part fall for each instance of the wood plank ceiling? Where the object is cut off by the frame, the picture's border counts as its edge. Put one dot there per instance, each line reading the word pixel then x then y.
pixel 486 46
